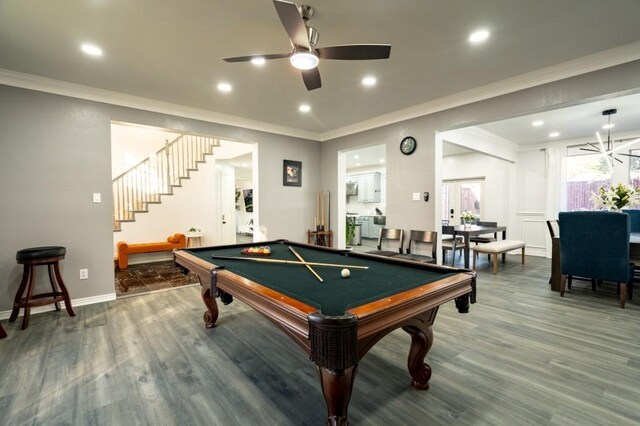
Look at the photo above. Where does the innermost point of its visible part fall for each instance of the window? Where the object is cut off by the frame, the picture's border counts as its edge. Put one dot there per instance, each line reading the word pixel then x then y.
pixel 584 174
pixel 634 168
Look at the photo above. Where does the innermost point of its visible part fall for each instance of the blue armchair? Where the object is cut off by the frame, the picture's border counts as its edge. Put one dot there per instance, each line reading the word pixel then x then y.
pixel 595 244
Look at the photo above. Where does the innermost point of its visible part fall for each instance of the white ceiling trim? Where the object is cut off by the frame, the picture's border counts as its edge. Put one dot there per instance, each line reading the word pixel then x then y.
pixel 42 84
pixel 594 62
pixel 597 61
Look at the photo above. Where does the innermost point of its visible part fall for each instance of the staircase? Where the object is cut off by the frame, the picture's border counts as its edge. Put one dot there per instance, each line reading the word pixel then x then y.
pixel 158 175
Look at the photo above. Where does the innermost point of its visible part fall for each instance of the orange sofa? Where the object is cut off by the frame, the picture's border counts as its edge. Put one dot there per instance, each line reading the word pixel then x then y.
pixel 175 241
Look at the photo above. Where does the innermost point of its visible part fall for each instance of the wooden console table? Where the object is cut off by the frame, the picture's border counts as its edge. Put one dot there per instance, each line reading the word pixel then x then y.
pixel 320 238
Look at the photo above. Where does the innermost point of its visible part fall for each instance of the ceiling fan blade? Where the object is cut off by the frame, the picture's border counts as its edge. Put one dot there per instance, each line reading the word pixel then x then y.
pixel 292 22
pixel 311 78
pixel 355 51
pixel 248 58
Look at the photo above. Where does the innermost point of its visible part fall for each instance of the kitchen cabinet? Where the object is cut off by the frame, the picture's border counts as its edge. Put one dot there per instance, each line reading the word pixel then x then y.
pixel 365 226
pixel 369 188
pixel 374 230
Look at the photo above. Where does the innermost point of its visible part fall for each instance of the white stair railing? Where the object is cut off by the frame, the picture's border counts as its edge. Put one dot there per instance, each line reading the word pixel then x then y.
pixel 147 181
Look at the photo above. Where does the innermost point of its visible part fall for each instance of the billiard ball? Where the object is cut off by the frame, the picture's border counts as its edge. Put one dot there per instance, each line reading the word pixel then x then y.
pixel 345 273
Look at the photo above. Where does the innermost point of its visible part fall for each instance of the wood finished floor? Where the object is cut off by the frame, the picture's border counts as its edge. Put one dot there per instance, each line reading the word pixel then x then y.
pixel 522 356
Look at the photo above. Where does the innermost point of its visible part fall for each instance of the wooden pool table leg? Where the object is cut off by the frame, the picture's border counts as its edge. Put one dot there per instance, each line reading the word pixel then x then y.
pixel 336 388
pixel 211 314
pixel 421 341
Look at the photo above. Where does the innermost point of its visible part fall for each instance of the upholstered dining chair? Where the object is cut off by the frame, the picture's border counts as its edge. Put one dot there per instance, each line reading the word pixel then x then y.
pixel 420 238
pixel 389 235
pixel 451 243
pixel 595 245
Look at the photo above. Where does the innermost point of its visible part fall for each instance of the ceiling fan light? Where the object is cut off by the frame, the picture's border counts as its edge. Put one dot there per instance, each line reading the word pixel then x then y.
pixel 258 60
pixel 304 60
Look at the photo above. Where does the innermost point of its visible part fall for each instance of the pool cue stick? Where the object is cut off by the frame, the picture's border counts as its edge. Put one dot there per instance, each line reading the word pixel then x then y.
pixel 308 267
pixel 292 262
pixel 329 211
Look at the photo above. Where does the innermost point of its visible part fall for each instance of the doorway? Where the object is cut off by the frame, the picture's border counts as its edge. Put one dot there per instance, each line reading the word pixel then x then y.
pixel 462 195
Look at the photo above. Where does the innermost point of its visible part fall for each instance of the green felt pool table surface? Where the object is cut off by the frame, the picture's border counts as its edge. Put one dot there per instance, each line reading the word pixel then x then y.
pixel 335 295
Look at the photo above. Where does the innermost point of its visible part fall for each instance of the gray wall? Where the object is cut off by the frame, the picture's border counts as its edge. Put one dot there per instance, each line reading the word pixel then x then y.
pixel 55 152
pixel 417 172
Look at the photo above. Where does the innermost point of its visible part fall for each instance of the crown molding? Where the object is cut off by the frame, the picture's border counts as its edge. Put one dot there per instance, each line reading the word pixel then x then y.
pixel 594 62
pixel 42 84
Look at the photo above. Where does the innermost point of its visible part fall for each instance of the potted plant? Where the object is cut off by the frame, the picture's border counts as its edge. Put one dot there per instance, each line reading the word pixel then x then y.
pixel 468 218
pixel 351 229
pixel 616 197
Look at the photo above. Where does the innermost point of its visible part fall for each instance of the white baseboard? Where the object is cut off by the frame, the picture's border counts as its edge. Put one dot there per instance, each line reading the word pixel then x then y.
pixel 75 302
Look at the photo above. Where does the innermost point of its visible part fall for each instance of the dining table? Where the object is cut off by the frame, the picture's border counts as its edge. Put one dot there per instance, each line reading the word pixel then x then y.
pixel 467 231
pixel 556 269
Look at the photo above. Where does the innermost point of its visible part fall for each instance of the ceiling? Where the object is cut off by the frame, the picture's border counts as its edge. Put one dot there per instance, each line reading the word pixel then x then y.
pixel 171 51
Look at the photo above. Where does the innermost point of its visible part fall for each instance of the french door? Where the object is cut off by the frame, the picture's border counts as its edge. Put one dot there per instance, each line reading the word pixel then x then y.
pixel 462 195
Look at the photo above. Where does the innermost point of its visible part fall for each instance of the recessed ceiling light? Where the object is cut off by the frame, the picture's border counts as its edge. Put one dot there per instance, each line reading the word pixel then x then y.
pixel 224 87
pixel 304 108
pixel 554 134
pixel 357 164
pixel 259 61
pixel 609 126
pixel 537 123
pixel 382 160
pixel 479 36
pixel 91 49
pixel 356 157
pixel 369 81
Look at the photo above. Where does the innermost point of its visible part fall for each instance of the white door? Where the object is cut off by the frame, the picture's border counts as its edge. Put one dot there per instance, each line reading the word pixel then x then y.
pixel 227 208
pixel 459 196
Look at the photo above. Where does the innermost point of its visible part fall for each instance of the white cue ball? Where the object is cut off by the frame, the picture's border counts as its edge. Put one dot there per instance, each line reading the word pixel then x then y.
pixel 345 273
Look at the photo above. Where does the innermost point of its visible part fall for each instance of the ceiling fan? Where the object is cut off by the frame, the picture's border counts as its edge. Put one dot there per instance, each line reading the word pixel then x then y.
pixel 304 39
pixel 611 149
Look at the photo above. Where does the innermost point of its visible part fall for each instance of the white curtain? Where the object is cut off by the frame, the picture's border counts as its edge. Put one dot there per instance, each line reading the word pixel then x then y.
pixel 555 183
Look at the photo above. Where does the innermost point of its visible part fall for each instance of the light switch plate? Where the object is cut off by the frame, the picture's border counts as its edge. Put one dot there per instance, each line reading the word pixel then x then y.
pixel 416 196
pixel 97 197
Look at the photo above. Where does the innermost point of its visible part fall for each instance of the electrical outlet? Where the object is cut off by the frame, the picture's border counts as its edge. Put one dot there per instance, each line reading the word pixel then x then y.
pixel 416 196
pixel 84 274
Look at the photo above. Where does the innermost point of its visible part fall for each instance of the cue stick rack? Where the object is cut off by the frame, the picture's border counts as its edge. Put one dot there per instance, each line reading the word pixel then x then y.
pixel 320 234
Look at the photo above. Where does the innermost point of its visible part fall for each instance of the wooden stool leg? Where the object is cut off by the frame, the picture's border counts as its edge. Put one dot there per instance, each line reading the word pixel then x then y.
pixel 27 299
pixel 26 276
pixel 65 293
pixel 53 285
pixel 523 257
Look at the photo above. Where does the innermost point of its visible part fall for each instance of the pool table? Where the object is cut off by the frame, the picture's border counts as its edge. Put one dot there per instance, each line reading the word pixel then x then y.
pixel 338 320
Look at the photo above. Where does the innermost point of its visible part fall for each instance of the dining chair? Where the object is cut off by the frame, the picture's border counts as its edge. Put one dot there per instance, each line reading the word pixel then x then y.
pixel 595 245
pixel 387 235
pixel 451 243
pixel 634 218
pixel 420 238
pixel 484 238
pixel 554 231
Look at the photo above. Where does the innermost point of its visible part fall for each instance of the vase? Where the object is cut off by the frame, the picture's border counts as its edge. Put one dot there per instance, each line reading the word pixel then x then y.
pixel 467 223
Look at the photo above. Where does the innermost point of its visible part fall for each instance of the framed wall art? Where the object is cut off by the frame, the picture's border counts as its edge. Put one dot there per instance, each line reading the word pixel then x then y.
pixel 292 173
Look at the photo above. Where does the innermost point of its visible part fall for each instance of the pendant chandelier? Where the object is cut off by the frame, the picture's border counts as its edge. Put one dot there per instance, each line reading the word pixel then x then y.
pixel 608 152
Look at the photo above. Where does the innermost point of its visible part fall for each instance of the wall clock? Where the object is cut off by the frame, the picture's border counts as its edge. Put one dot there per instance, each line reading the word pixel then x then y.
pixel 408 145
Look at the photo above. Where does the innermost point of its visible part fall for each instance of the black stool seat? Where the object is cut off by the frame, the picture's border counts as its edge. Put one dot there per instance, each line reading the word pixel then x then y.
pixel 30 258
pixel 37 253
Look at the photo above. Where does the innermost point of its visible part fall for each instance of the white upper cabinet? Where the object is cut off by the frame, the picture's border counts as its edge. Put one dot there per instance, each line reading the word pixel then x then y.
pixel 369 188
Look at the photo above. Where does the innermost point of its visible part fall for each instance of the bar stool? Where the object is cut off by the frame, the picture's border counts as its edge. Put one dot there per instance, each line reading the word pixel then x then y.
pixel 31 258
